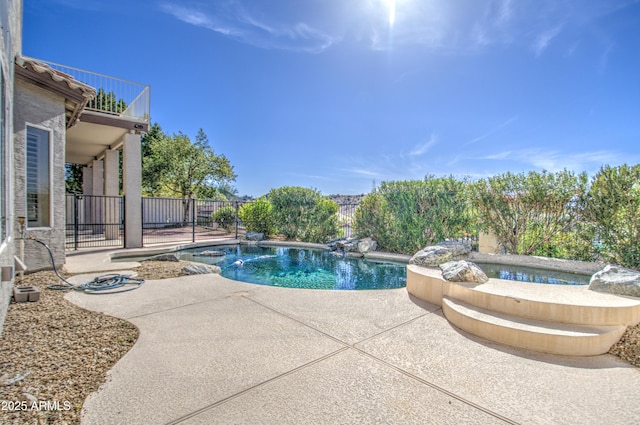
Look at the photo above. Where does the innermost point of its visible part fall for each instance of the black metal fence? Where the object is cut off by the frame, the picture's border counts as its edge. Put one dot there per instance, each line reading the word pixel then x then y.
pixel 94 221
pixel 98 221
pixel 346 213
pixel 181 220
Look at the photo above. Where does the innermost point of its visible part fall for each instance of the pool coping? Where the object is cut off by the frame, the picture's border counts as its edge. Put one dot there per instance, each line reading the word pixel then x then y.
pixel 137 252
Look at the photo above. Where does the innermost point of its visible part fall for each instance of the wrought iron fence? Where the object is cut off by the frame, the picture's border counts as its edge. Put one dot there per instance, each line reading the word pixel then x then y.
pixel 346 213
pixel 175 220
pixel 94 221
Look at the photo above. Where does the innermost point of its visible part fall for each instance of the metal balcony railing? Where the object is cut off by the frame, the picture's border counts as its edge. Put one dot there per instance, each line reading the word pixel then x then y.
pixel 114 96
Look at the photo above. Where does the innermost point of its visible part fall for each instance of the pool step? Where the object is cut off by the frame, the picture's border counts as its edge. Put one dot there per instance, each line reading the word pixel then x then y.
pixel 539 335
pixel 551 303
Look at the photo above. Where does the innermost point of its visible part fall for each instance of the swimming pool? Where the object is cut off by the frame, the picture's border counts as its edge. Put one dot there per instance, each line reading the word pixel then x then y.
pixel 300 267
pixel 533 275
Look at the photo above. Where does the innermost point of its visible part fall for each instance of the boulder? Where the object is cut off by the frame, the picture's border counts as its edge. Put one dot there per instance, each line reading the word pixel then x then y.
pixel 440 253
pixel 347 245
pixel 254 236
pixel 616 280
pixel 463 271
pixel 212 254
pixel 367 245
pixel 191 269
pixel 164 257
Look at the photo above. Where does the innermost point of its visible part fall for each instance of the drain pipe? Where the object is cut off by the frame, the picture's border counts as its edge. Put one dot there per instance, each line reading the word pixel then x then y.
pixel 22 224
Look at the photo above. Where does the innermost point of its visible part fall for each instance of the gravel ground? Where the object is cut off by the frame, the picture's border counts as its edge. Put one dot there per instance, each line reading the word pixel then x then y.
pixel 67 351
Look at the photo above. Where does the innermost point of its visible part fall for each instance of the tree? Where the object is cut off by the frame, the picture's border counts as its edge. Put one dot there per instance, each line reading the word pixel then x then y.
pixel 185 169
pixel 613 207
pixel 527 211
pixel 151 168
pixel 107 102
pixel 73 178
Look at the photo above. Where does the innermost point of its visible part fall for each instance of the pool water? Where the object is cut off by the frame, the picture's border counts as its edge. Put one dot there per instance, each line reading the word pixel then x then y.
pixel 301 268
pixel 533 275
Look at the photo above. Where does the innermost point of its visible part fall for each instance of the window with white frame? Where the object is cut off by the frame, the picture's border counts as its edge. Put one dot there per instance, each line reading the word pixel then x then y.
pixel 38 177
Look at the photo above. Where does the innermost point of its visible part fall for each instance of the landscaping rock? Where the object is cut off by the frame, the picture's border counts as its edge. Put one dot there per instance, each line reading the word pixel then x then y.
pixel 343 244
pixel 212 254
pixel 440 253
pixel 463 271
pixel 616 280
pixel 192 269
pixel 164 257
pixel 254 236
pixel 367 245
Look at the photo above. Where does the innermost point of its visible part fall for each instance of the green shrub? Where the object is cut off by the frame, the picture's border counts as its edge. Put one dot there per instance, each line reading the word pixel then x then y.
pixel 322 222
pixel 372 219
pixel 528 212
pixel 225 217
pixel 303 214
pixel 406 216
pixel 613 207
pixel 257 216
pixel 575 244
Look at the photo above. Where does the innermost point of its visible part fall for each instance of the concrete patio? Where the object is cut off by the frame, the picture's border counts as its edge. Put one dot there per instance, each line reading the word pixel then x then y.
pixel 212 350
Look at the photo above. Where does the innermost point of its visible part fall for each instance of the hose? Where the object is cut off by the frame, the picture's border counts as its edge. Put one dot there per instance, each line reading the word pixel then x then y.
pixel 106 284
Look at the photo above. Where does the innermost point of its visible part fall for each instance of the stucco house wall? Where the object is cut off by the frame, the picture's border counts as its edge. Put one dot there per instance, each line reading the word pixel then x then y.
pixel 40 108
pixel 10 45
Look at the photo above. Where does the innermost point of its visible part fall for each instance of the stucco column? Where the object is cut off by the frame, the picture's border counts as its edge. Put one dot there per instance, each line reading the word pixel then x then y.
pixel 132 185
pixel 87 180
pixel 84 213
pixel 111 189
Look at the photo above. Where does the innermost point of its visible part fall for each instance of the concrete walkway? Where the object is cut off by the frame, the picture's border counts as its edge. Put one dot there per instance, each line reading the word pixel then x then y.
pixel 216 351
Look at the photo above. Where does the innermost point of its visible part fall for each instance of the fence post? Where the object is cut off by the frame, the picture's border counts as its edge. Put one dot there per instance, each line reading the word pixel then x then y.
pixel 237 219
pixel 193 220
pixel 123 206
pixel 75 222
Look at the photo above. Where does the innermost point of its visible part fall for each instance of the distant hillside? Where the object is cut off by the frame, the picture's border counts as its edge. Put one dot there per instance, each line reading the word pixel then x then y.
pixel 347 199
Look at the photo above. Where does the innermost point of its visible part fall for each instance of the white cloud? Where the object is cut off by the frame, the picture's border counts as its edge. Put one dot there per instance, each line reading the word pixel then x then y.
pixel 198 18
pixel 492 131
pixel 556 160
pixel 543 39
pixel 423 148
pixel 450 27
pixel 232 19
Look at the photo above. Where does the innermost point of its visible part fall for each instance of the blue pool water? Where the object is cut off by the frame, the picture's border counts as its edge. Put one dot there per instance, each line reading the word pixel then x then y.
pixel 301 268
pixel 533 275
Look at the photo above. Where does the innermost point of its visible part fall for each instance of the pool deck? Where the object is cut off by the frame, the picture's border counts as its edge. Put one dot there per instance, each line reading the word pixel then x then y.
pixel 212 350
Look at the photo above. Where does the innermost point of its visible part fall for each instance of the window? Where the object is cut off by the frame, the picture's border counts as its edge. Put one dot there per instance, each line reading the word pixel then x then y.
pixel 38 178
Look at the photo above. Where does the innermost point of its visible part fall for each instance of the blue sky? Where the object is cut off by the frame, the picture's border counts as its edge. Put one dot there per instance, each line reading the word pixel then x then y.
pixel 340 94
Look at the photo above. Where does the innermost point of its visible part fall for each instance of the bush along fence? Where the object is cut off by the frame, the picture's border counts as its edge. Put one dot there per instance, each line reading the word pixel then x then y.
pixel 559 214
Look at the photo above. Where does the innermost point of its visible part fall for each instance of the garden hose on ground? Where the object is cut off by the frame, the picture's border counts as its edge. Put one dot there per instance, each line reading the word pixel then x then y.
pixel 105 284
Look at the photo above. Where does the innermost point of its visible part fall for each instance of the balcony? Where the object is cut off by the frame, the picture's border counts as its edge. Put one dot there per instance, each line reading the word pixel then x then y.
pixel 114 96
pixel 119 107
